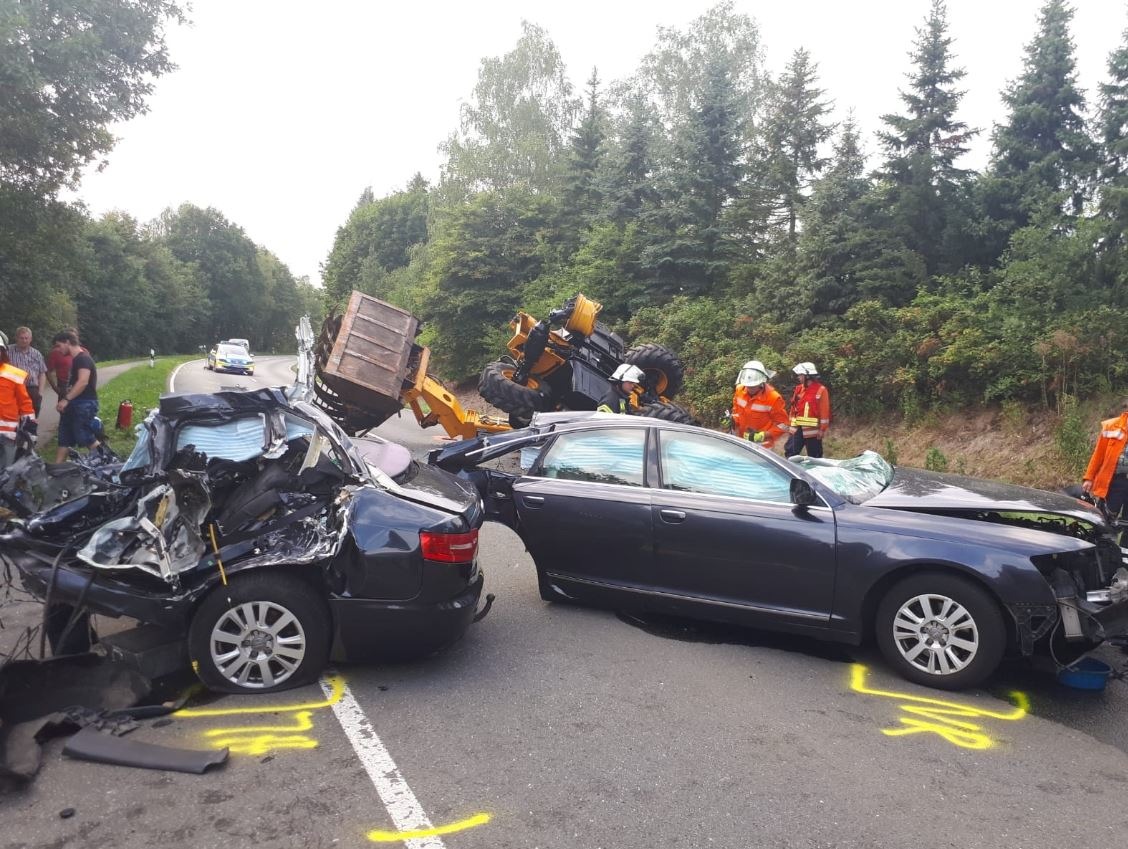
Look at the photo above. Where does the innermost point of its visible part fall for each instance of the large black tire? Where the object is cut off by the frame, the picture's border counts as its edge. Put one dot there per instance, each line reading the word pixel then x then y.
pixel 271 629
pixel 955 647
pixel 665 373
pixel 668 413
pixel 497 387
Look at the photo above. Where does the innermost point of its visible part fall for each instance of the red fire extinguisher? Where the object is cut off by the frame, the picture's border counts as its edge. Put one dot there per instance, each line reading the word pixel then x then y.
pixel 125 415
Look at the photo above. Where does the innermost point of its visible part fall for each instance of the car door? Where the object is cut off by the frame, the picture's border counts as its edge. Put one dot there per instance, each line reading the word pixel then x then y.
pixel 726 532
pixel 584 510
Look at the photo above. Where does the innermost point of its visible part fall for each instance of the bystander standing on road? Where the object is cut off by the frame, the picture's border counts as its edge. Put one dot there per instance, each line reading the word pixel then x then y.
pixel 78 401
pixel 16 410
pixel 25 357
pixel 58 366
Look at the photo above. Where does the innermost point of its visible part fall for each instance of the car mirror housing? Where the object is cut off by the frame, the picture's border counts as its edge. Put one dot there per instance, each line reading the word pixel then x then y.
pixel 802 493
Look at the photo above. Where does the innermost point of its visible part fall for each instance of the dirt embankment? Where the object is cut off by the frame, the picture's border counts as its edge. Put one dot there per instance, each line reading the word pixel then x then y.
pixel 1013 445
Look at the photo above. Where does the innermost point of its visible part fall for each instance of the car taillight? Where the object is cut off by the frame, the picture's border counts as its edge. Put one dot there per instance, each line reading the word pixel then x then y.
pixel 449 548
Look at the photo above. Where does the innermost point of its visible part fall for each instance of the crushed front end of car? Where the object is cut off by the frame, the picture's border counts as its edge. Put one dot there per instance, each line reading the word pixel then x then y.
pixel 1084 599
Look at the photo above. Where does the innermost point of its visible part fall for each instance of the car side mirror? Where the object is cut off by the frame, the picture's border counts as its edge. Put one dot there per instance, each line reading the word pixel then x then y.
pixel 802 493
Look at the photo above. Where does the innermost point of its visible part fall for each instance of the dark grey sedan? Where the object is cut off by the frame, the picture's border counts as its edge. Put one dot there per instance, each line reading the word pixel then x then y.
pixel 946 572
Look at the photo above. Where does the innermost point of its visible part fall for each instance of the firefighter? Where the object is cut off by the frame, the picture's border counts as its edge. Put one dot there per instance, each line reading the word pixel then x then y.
pixel 758 410
pixel 17 413
pixel 810 413
pixel 1107 474
pixel 620 397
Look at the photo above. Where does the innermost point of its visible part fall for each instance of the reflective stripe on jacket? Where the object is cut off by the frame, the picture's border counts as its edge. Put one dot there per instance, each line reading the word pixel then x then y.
pixel 764 412
pixel 1110 445
pixel 14 400
pixel 614 402
pixel 811 401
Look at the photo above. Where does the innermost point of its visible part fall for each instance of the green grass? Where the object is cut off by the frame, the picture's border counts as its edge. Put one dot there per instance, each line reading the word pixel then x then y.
pixel 142 385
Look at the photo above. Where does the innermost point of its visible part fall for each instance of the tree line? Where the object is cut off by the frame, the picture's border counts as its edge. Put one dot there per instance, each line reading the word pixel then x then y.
pixel 718 209
pixel 68 69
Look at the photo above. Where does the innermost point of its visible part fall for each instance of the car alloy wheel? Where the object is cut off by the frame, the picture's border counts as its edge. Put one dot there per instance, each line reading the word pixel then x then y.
pixel 941 630
pixel 257 644
pixel 936 634
pixel 266 630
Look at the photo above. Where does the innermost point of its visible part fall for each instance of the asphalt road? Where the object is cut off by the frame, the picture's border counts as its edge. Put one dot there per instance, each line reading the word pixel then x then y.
pixel 570 727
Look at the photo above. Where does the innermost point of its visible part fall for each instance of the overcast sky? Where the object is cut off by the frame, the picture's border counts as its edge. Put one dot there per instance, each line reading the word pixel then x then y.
pixel 281 112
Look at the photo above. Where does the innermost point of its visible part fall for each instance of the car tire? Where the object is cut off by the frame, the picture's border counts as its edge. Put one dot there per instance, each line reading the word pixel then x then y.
pixel 664 371
pixel 941 631
pixel 497 387
pixel 235 633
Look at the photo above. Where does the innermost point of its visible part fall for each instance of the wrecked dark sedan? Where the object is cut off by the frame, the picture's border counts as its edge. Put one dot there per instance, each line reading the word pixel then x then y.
pixel 947 573
pixel 252 525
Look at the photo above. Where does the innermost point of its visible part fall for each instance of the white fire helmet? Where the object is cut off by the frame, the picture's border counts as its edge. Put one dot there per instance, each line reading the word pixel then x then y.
pixel 626 373
pixel 807 369
pixel 753 374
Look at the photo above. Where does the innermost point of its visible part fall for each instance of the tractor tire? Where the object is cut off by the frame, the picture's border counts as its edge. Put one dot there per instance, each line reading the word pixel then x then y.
pixel 664 371
pixel 668 413
pixel 497 387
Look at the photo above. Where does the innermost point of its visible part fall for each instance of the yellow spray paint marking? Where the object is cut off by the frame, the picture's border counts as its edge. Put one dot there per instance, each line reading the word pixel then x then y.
pixel 254 746
pixel 338 690
pixel 259 739
pixel 264 738
pixel 949 720
pixel 396 836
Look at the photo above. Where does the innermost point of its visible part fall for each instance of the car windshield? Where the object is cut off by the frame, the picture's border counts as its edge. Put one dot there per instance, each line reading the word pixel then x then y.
pixel 231 351
pixel 857 479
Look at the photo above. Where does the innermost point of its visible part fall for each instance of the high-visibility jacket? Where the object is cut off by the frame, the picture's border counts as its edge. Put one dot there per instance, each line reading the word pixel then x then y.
pixel 14 400
pixel 810 409
pixel 1110 445
pixel 763 411
pixel 617 401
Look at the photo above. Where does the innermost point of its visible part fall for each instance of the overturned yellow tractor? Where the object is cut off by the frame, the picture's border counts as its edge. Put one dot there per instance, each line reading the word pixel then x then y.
pixel 569 368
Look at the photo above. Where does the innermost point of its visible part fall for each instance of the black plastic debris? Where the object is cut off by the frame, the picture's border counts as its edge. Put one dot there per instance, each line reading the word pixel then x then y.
pixel 40 699
pixel 89 744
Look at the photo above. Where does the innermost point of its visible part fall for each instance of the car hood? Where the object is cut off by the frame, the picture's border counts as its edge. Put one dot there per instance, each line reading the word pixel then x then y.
pixel 935 492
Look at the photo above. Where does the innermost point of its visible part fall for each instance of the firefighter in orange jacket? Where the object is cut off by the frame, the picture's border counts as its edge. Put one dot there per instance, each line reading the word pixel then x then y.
pixel 17 413
pixel 758 411
pixel 1107 474
pixel 810 413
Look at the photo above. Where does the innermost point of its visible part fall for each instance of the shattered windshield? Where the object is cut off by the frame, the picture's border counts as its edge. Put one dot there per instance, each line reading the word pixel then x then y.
pixel 856 479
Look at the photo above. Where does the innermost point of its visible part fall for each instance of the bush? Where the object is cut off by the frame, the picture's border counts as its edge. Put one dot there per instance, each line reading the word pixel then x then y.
pixel 935 461
pixel 1071 435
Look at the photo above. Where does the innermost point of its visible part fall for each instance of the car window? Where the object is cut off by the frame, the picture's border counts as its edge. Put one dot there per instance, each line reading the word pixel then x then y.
pixel 696 463
pixel 231 351
pixel 600 456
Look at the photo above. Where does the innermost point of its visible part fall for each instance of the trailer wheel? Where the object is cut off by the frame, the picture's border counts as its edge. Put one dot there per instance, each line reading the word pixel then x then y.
pixel 665 373
pixel 668 413
pixel 497 387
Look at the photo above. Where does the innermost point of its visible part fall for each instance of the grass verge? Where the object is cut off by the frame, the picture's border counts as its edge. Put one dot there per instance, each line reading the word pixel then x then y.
pixel 143 386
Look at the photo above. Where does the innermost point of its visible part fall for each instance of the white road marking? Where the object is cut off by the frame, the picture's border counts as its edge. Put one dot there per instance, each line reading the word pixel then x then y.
pixel 175 371
pixel 391 786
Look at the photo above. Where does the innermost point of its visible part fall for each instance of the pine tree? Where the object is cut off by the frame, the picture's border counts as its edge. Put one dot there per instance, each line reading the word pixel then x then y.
pixel 923 184
pixel 1043 160
pixel 582 199
pixel 793 130
pixel 1114 142
pixel 694 251
pixel 1113 186
pixel 628 177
